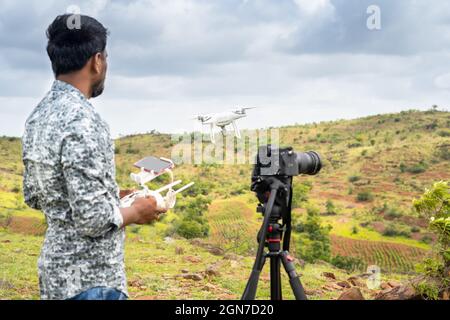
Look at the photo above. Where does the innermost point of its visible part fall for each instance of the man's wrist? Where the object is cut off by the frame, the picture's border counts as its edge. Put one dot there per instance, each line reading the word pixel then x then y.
pixel 129 215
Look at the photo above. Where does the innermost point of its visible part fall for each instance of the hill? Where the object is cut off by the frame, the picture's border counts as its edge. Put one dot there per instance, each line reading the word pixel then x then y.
pixel 373 168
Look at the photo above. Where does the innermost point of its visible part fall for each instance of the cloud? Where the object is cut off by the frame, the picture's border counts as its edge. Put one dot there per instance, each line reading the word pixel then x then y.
pixel 299 60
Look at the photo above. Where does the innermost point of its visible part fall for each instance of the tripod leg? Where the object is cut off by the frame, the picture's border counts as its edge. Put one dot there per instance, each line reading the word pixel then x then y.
pixel 294 279
pixel 275 278
pixel 252 284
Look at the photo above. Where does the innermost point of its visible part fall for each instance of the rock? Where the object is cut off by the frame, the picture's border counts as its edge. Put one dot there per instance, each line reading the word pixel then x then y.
pixel 351 294
pixel 192 259
pixel 332 287
pixel 192 276
pixel 212 270
pixel 312 292
pixel 404 292
pixel 329 275
pixel 394 284
pixel 184 271
pixel 344 284
pixel 355 281
pixel 210 287
pixel 179 250
pixel 385 286
pixel 216 251
pixel 232 256
pixel 136 283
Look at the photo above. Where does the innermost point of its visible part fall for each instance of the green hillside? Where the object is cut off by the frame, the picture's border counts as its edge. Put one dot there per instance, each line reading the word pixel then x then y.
pixel 373 168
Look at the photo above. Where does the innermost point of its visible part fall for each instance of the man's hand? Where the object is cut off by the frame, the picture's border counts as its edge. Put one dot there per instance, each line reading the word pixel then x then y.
pixel 142 211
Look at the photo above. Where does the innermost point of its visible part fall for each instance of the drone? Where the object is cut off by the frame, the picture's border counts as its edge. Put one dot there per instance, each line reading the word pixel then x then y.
pixel 150 168
pixel 222 120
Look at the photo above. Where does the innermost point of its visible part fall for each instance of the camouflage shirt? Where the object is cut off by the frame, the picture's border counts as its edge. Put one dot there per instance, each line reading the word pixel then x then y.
pixel 69 174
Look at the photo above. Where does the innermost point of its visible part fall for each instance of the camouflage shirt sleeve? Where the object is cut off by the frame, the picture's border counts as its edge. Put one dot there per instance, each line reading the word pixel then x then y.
pixel 94 211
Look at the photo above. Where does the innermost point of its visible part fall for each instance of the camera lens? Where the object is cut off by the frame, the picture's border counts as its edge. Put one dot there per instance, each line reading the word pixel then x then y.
pixel 309 162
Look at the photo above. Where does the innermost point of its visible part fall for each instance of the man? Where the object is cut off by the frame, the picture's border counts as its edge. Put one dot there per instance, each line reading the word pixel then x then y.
pixel 69 174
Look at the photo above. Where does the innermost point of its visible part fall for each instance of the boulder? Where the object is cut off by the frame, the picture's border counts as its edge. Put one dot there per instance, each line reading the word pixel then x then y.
pixel 213 270
pixel 404 292
pixel 192 276
pixel 355 281
pixel 385 286
pixel 344 284
pixel 329 275
pixel 351 294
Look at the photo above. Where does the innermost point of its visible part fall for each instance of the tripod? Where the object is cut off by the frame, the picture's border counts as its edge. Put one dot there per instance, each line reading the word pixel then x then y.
pixel 278 206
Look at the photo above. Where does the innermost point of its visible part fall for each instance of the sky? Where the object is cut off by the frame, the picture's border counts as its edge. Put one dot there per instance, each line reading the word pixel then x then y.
pixel 297 61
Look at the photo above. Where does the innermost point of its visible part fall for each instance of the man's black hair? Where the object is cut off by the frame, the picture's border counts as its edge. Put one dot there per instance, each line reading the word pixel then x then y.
pixel 70 46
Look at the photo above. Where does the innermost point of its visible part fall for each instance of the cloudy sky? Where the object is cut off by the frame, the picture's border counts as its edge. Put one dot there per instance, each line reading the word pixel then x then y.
pixel 298 61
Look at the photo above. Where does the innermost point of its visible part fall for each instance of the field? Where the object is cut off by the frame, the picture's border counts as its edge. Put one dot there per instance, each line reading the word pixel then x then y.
pixel 373 168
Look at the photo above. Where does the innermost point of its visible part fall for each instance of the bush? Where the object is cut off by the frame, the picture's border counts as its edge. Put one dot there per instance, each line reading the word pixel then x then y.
pixel 393 231
pixel 364 196
pixel 393 213
pixel 348 263
pixel 444 133
pixel 300 194
pixel 417 168
pixel 330 208
pixel 434 204
pixel 314 239
pixel 192 223
pixel 192 229
pixel 354 178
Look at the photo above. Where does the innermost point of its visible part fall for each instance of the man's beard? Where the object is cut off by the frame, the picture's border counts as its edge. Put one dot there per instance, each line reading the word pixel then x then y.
pixel 97 89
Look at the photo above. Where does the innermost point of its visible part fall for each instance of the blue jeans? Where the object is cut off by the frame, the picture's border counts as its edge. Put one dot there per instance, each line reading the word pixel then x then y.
pixel 100 293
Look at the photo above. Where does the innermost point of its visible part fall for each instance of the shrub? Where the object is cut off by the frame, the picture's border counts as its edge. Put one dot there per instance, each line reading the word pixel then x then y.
pixel 444 133
pixel 443 152
pixel 394 230
pixel 393 213
pixel 435 205
pixel 300 194
pixel 192 223
pixel 364 196
pixel 330 208
pixel 354 178
pixel 347 263
pixel 314 239
pixel 417 168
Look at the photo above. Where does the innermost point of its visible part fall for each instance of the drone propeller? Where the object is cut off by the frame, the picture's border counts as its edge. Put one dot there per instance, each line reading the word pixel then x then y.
pixel 242 110
pixel 201 118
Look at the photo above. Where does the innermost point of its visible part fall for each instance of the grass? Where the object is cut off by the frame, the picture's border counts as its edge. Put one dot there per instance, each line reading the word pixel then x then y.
pixel 153 268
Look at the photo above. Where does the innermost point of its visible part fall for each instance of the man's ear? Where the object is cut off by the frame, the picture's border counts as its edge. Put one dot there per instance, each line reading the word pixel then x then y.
pixel 97 61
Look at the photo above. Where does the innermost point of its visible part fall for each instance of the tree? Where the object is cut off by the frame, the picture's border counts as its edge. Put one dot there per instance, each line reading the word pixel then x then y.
pixel 330 207
pixel 314 239
pixel 192 223
pixel 435 205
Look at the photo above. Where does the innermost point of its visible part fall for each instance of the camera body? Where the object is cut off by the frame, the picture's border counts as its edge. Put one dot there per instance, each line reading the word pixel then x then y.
pixel 273 161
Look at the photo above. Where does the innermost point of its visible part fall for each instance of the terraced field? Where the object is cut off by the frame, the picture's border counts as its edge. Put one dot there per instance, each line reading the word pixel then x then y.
pixel 390 257
pixel 233 225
